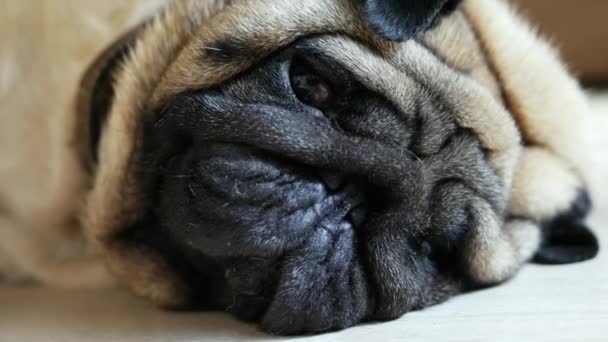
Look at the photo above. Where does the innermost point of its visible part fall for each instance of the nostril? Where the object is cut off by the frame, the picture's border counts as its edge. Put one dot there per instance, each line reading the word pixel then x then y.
pixel 425 248
pixel 333 182
pixel 352 191
pixel 357 216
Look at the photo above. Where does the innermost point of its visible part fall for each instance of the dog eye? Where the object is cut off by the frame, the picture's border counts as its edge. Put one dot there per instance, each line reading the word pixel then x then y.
pixel 309 87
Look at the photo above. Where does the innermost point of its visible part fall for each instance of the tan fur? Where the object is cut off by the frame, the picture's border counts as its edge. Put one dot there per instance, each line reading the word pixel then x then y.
pixel 487 83
pixel 44 48
pixel 550 108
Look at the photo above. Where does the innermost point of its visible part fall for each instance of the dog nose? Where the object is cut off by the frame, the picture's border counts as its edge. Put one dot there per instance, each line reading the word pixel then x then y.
pixel 332 181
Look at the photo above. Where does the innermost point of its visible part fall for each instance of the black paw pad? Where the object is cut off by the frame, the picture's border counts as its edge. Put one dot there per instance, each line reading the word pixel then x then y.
pixel 567 239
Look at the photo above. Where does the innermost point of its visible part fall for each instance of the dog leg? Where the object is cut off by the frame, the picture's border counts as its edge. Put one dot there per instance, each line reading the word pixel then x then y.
pixel 550 193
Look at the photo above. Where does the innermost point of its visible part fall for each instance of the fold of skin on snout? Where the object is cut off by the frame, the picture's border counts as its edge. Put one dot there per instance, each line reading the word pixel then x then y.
pixel 312 141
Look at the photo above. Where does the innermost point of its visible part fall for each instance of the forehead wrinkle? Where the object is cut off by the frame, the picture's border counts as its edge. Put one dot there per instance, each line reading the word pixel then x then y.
pixel 372 70
pixel 472 105
pixel 458 50
pixel 462 93
pixel 411 71
pixel 461 51
pixel 256 29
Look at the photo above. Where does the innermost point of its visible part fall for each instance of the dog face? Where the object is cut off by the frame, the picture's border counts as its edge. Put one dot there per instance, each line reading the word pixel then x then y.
pixel 303 171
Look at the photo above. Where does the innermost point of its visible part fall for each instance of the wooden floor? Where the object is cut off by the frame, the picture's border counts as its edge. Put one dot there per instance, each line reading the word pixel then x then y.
pixel 559 303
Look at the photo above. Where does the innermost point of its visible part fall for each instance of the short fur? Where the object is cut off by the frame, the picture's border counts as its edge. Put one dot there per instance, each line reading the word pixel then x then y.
pixel 456 125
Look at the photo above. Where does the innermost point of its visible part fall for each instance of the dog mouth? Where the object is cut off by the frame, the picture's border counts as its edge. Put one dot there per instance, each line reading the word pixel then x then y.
pixel 234 200
pixel 250 214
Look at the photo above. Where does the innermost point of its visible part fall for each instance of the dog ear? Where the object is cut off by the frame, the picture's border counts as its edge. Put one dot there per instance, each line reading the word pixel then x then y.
pixel 96 90
pixel 401 19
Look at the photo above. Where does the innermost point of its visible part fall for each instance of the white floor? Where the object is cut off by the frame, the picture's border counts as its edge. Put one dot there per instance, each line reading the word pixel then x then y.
pixel 558 303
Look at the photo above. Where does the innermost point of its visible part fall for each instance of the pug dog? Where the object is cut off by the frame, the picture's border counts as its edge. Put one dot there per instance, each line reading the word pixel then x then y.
pixel 307 165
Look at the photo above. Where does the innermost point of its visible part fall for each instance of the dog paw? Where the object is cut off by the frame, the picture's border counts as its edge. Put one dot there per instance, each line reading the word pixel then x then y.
pixel 566 238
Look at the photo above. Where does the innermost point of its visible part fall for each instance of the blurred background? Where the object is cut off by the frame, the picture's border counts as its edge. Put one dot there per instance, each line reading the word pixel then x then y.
pixel 579 29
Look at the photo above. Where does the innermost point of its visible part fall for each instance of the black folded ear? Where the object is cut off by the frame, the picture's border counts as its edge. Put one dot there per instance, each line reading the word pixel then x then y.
pixel 401 19
pixel 96 91
pixel 567 239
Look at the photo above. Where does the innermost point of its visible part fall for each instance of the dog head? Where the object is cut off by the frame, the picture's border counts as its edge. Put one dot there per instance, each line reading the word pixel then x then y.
pixel 290 162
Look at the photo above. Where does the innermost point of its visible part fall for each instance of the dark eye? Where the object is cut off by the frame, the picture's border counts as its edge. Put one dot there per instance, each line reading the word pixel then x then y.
pixel 310 87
